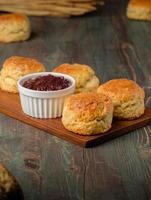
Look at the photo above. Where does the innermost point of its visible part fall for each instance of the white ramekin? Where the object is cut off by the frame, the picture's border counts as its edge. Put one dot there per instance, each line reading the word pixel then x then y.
pixel 44 104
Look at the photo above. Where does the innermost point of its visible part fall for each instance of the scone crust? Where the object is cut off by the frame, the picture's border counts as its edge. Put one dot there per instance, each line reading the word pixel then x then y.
pixel 9 187
pixel 14 27
pixel 140 3
pixel 139 10
pixel 6 180
pixel 127 97
pixel 84 76
pixel 87 113
pixel 24 65
pixel 14 68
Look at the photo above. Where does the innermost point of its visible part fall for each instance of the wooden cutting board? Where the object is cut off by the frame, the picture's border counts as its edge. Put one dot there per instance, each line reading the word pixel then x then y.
pixel 10 105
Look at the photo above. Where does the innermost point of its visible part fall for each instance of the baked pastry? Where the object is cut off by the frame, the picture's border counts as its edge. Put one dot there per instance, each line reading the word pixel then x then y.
pixel 85 78
pixel 14 68
pixel 87 113
pixel 9 187
pixel 127 97
pixel 139 9
pixel 14 27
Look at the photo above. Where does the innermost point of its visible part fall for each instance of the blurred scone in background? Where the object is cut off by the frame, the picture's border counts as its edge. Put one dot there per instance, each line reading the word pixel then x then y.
pixel 14 28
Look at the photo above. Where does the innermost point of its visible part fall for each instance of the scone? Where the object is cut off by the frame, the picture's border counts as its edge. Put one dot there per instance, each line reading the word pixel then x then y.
pixel 139 9
pixel 88 113
pixel 85 78
pixel 14 68
pixel 14 27
pixel 9 187
pixel 127 97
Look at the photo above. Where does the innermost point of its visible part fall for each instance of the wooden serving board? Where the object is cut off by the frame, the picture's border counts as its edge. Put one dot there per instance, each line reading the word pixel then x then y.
pixel 10 105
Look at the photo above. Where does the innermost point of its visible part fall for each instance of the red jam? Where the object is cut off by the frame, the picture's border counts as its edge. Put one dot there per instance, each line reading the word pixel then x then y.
pixel 47 83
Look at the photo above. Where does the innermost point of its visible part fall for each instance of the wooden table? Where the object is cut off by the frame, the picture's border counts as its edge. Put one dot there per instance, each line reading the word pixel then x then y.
pixel 50 168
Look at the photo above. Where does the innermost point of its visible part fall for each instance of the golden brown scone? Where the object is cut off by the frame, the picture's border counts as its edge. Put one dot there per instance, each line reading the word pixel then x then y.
pixel 9 187
pixel 85 78
pixel 139 9
pixel 14 27
pixel 87 113
pixel 127 97
pixel 14 68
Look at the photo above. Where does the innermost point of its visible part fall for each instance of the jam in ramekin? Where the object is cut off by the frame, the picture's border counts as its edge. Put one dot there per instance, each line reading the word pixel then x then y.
pixel 47 83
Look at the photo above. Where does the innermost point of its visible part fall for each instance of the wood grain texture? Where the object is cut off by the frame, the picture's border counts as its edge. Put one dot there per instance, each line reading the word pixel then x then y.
pixel 50 168
pixel 10 105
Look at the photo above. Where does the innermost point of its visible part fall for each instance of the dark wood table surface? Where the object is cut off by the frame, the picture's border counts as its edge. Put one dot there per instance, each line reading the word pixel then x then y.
pixel 49 168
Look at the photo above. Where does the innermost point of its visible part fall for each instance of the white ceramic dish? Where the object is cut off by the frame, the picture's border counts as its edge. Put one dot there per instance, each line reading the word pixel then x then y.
pixel 44 104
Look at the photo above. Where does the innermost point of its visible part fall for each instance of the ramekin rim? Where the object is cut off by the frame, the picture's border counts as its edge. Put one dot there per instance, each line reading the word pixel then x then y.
pixel 46 92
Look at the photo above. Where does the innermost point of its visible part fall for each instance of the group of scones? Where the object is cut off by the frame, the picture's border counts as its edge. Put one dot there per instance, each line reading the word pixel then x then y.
pixel 91 109
pixel 16 27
